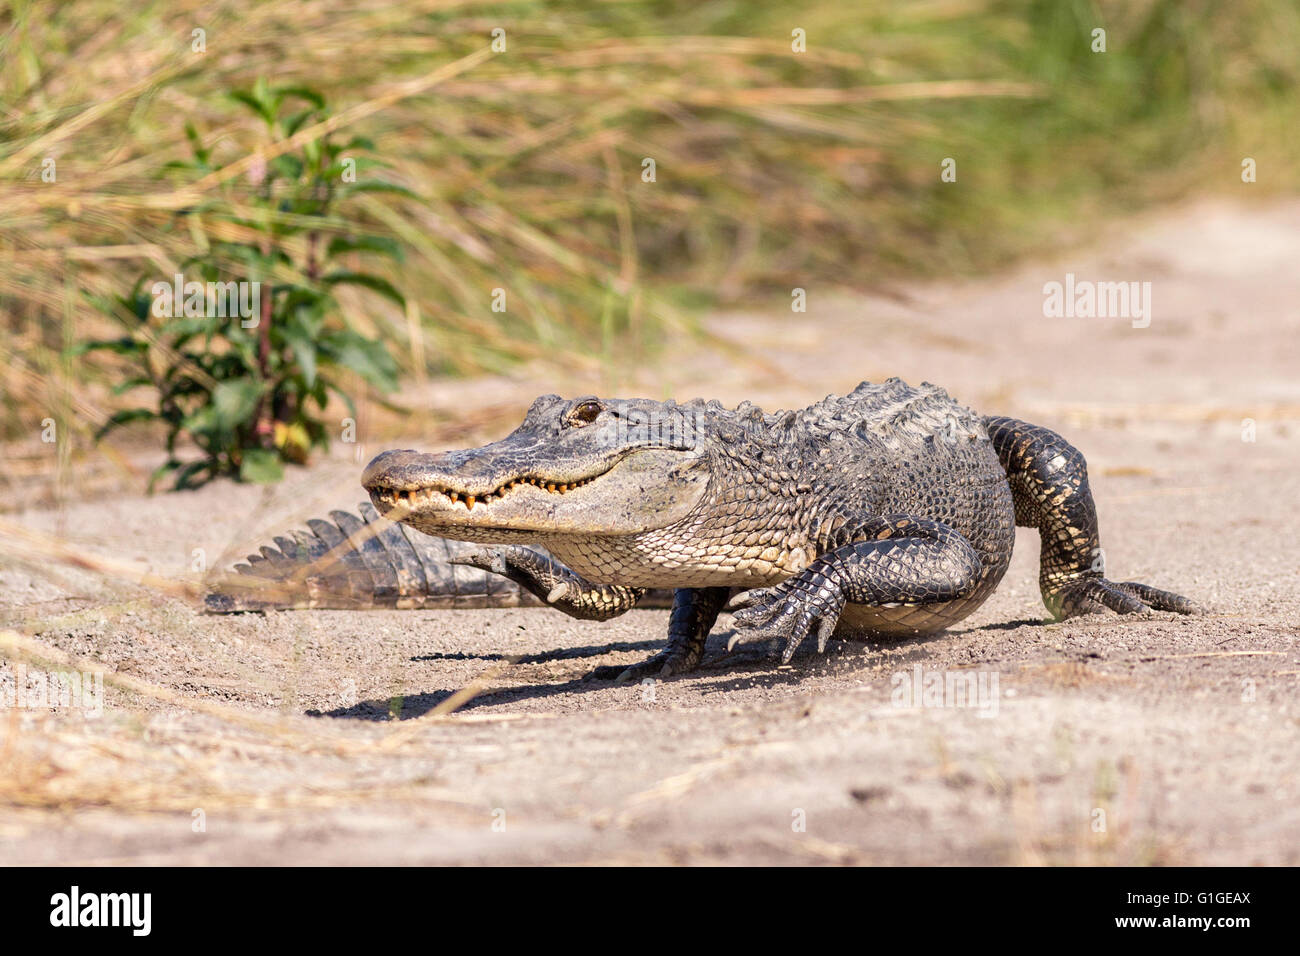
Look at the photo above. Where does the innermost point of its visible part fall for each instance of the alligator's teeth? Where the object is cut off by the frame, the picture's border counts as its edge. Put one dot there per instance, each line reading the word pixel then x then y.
pixel 469 502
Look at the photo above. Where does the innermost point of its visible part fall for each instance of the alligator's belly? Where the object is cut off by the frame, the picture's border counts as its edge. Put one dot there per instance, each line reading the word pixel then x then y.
pixel 645 562
pixel 867 620
pixel 864 621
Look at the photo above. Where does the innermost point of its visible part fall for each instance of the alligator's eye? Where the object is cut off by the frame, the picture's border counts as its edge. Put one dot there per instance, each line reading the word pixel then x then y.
pixel 584 413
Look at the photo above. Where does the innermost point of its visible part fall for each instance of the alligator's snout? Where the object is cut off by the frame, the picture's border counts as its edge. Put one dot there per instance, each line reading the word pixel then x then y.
pixel 395 471
pixel 474 471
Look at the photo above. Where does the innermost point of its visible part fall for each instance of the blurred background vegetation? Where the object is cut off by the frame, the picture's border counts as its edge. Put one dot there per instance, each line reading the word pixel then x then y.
pixel 522 169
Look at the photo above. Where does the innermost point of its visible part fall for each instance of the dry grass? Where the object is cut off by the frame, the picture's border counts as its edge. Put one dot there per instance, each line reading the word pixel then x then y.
pixel 774 169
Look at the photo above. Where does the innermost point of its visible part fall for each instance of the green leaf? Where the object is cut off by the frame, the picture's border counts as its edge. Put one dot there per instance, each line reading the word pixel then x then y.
pixel 295 121
pixel 368 359
pixel 373 282
pixel 303 93
pixel 135 381
pixel 233 402
pixel 375 186
pixel 304 352
pixel 202 156
pixel 287 165
pixel 347 399
pixel 261 466
pixel 358 164
pixel 194 468
pixel 117 419
pixel 122 346
pixel 253 103
pixel 183 326
pixel 382 245
pixel 170 464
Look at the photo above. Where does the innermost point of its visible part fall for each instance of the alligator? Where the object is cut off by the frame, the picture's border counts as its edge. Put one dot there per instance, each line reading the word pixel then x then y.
pixel 888 511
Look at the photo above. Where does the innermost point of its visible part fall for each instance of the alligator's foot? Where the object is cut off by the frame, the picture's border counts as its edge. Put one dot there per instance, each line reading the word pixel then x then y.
pixel 1126 597
pixel 785 615
pixel 694 612
pixel 672 661
pixel 557 585
pixel 678 661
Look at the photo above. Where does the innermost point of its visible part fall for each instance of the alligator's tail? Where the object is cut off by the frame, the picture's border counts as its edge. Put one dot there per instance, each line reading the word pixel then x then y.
pixel 355 562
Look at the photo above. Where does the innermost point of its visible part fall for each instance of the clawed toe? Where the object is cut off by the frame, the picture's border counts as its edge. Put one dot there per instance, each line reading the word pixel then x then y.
pixel 660 667
pixel 1160 600
pixel 486 559
pixel 1128 597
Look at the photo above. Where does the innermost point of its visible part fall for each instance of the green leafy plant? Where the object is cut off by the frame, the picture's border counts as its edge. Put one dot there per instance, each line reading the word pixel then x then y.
pixel 249 389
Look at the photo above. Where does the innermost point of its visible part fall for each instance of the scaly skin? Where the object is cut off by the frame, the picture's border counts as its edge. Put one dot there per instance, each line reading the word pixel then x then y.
pixel 353 563
pixel 891 510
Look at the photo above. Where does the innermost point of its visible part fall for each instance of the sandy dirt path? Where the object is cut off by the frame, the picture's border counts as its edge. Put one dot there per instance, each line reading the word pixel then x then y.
pixel 308 737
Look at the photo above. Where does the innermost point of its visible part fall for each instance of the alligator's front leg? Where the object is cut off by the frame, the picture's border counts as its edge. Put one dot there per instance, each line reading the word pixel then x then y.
pixel 694 612
pixel 892 560
pixel 554 583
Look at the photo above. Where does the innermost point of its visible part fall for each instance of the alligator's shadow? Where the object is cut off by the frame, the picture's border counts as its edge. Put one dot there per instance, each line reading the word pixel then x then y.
pixel 559 654
pixel 721 672
pixel 1004 625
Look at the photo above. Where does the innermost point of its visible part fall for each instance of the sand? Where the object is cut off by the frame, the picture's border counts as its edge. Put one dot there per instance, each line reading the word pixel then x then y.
pixel 311 737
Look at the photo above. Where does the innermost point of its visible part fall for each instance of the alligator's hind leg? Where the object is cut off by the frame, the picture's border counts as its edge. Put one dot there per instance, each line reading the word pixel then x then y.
pixel 695 610
pixel 1049 481
pixel 554 583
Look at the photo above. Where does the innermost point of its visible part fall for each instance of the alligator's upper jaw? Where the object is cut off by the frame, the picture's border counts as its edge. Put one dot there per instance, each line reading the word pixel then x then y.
pixel 408 480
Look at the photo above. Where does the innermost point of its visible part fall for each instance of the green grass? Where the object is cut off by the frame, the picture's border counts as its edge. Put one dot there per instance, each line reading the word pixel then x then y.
pixel 774 169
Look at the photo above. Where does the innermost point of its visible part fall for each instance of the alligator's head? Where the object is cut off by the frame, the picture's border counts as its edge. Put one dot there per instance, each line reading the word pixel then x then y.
pixel 575 466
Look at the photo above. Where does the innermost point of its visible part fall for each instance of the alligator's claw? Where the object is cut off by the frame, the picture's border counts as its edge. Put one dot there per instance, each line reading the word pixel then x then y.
pixel 486 559
pixel 667 663
pixel 1123 597
pixel 786 614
